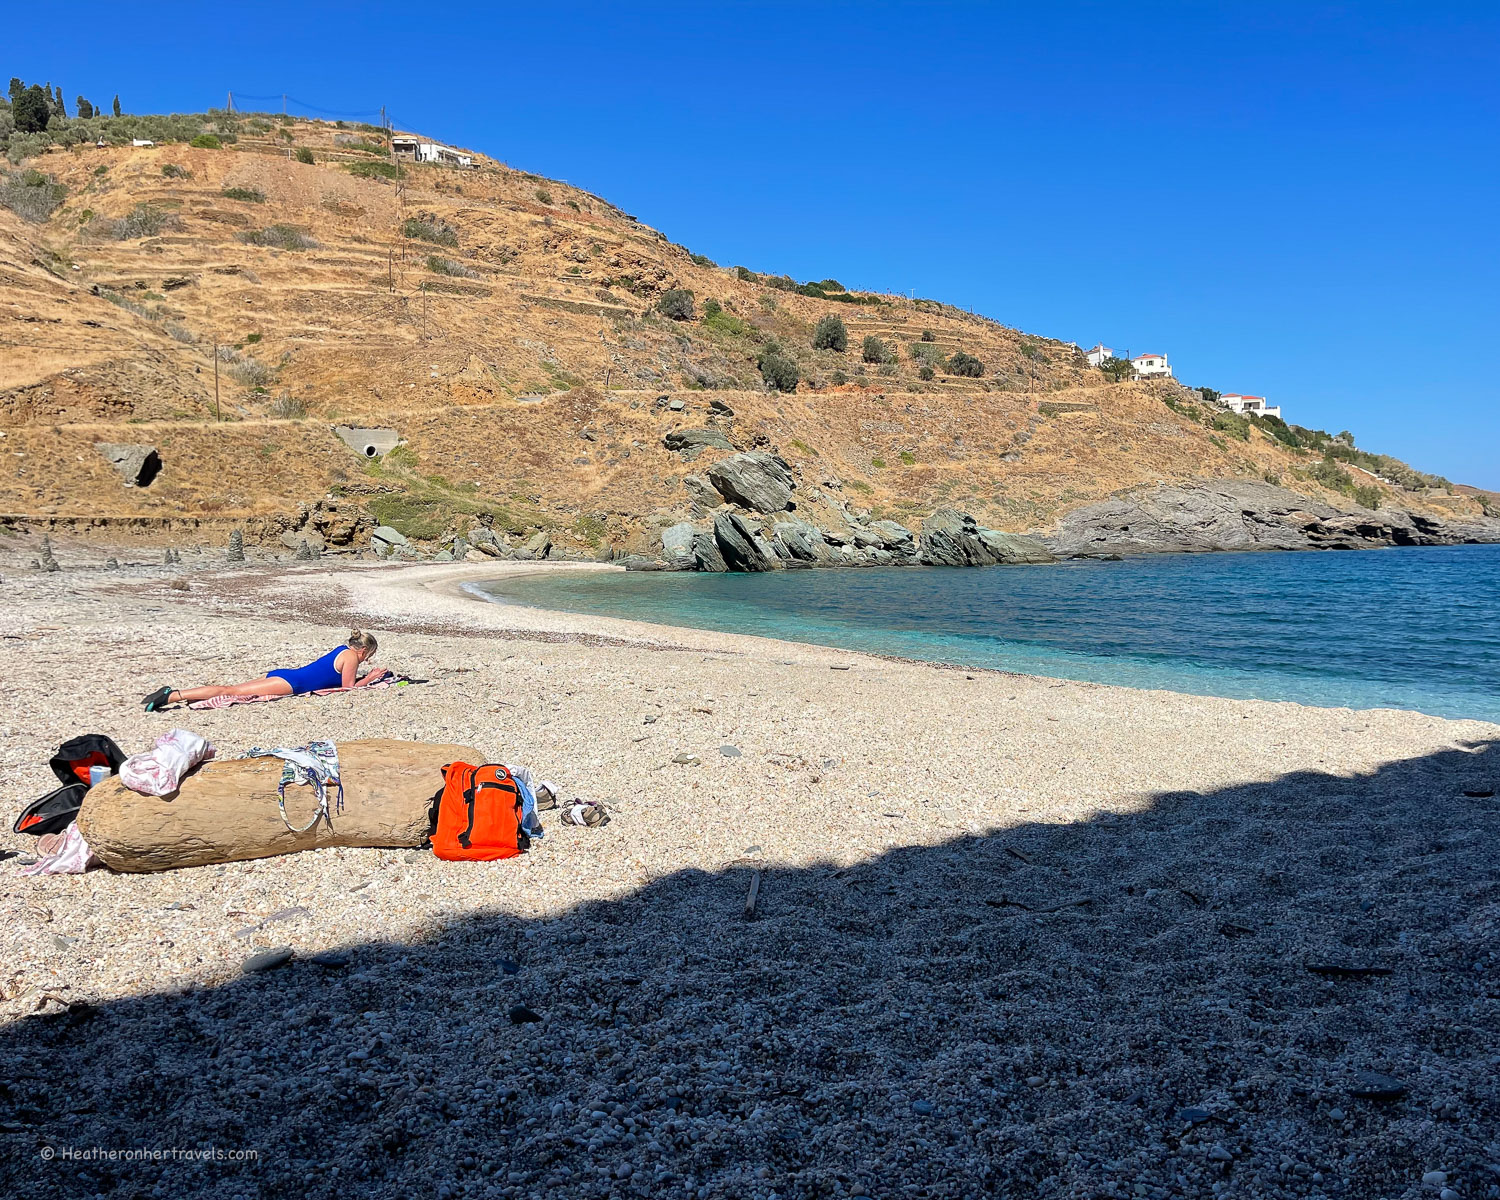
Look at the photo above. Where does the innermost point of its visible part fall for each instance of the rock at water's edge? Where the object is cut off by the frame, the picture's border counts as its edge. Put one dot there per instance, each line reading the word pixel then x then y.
pixel 760 482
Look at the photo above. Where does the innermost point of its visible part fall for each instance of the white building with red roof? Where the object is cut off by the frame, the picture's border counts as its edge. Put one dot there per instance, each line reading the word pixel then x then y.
pixel 1256 405
pixel 1098 354
pixel 1147 365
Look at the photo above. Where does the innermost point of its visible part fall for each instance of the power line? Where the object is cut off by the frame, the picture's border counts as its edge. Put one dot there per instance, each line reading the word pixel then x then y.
pixel 287 98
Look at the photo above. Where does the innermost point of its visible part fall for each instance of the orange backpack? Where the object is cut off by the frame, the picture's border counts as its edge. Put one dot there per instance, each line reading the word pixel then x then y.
pixel 478 815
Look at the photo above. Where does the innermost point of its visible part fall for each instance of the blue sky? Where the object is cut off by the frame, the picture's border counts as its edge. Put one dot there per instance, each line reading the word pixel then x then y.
pixel 1295 200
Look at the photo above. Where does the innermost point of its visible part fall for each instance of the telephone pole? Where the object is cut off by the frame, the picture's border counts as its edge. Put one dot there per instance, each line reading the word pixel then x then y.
pixel 216 381
pixel 231 101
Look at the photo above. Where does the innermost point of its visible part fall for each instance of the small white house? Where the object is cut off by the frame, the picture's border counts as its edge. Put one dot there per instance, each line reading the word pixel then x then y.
pixel 1250 404
pixel 430 152
pixel 1147 365
pixel 1098 354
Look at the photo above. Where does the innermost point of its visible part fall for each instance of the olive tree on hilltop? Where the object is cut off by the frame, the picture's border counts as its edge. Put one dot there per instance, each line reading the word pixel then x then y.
pixel 831 334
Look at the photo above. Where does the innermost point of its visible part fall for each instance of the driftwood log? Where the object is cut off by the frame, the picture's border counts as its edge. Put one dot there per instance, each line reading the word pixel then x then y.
pixel 226 811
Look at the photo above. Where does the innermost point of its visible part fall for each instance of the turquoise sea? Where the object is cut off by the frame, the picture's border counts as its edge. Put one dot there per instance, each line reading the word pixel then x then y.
pixel 1415 628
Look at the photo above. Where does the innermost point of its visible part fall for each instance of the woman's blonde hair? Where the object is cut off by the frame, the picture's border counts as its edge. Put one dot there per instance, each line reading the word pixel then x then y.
pixel 360 640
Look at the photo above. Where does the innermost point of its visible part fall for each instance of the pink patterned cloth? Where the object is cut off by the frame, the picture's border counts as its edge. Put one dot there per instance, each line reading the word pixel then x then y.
pixel 159 772
pixel 70 858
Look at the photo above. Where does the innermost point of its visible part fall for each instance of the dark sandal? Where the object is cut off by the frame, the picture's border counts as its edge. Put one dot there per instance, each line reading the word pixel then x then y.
pixel 157 700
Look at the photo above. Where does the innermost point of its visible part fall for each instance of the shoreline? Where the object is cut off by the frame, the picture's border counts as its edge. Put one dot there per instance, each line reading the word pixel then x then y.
pixel 970 881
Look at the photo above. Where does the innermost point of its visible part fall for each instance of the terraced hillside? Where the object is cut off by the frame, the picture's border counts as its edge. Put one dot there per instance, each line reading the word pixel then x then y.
pixel 229 306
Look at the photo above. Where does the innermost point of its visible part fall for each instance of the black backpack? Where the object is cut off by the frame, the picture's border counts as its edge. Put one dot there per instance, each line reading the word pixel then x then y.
pixel 55 811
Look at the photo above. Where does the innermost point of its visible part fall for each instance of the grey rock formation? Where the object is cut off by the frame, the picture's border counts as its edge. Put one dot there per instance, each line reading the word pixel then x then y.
pixel 702 492
pixel 1239 514
pixel 137 465
pixel 486 541
pixel 306 553
pixel 387 541
pixel 797 541
pixel 694 441
pixel 742 545
pixel 294 539
pixel 1016 548
pixel 236 551
pixel 536 546
pixel 706 553
pixel 677 542
pixel 895 538
pixel 759 481
pixel 951 539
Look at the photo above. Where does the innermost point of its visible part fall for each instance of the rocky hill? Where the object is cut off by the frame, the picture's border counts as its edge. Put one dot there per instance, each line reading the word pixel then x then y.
pixel 228 306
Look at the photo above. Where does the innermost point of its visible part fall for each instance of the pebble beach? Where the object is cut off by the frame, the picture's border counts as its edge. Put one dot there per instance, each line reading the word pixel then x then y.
pixel 1011 935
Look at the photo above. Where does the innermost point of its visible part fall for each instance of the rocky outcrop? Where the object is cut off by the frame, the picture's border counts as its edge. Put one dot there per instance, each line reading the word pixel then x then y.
pixel 677 544
pixel 137 465
pixel 954 539
pixel 743 546
pixel 800 543
pixel 1239 514
pixel 692 442
pixel 701 492
pixel 706 553
pixel 756 480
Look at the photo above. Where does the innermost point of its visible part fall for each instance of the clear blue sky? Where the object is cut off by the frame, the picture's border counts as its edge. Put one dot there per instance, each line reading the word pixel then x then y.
pixel 1298 200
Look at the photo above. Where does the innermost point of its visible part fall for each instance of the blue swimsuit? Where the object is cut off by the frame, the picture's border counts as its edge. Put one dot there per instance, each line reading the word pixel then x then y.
pixel 315 677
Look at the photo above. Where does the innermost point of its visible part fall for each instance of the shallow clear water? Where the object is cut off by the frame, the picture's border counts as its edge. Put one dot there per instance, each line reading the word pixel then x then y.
pixel 1400 628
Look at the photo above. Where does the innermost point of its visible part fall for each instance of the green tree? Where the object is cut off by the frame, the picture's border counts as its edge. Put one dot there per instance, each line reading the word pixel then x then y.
pixel 1208 394
pixel 966 365
pixel 31 111
pixel 925 371
pixel 873 350
pixel 85 109
pixel 779 372
pixel 830 334
pixel 16 88
pixel 1118 369
pixel 117 105
pixel 676 303
pixel 59 107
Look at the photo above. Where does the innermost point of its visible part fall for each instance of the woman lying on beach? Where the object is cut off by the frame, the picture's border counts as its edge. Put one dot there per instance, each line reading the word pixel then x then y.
pixel 339 668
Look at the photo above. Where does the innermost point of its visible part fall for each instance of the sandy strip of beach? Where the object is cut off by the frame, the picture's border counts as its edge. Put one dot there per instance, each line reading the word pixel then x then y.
pixel 1011 929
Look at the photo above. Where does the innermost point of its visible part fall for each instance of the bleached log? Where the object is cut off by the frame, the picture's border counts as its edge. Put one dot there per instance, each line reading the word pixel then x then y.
pixel 226 810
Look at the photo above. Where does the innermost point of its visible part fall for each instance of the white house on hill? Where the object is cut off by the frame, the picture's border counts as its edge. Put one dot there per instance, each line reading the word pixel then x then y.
pixel 1150 364
pixel 1250 404
pixel 1098 354
pixel 429 152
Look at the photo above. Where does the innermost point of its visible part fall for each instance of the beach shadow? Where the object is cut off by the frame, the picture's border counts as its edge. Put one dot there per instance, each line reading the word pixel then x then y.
pixel 920 1024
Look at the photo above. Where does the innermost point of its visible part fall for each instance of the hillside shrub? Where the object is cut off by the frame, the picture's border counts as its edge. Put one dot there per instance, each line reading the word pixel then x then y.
pixel 287 407
pixel 31 111
pixel 677 304
pixel 446 266
pixel 145 220
pixel 543 195
pixel 966 365
pixel 711 309
pixel 1331 475
pixel 430 229
pixel 1116 369
pixel 245 370
pixel 206 141
pixel 279 237
pixel 703 260
pixel 252 195
pixel 1209 395
pixel 1367 496
pixel 925 372
pixel 873 350
pixel 726 322
pixel 1233 424
pixel 925 352
pixel 375 170
pixel 745 275
pixel 928 336
pixel 779 372
pixel 31 195
pixel 305 155
pixel 173 171
pixel 830 334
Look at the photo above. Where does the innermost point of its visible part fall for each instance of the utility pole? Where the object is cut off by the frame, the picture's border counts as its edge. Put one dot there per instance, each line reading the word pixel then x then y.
pixel 424 310
pixel 231 101
pixel 390 272
pixel 216 381
pixel 283 104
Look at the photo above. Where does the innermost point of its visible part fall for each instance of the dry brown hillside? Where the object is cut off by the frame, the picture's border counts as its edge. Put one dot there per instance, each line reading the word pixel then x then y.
pixel 505 326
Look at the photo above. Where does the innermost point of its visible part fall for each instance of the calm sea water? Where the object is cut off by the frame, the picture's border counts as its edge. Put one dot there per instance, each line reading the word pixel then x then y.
pixel 1399 628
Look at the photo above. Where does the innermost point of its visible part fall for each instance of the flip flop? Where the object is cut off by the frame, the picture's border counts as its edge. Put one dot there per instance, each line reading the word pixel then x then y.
pixel 157 699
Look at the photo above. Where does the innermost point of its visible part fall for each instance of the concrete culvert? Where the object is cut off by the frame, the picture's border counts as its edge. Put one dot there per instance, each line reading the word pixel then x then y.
pixel 372 443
